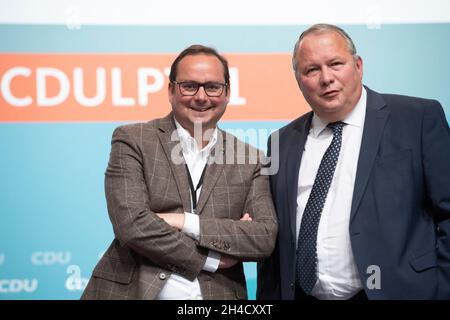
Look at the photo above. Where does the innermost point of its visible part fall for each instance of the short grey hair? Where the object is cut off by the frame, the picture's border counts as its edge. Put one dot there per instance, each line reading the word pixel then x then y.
pixel 323 28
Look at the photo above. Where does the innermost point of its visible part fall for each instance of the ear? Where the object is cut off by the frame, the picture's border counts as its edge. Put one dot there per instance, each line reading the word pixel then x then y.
pixel 359 66
pixel 171 92
pixel 227 96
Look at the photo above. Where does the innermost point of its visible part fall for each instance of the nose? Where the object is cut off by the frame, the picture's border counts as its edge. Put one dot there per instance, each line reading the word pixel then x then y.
pixel 326 76
pixel 201 94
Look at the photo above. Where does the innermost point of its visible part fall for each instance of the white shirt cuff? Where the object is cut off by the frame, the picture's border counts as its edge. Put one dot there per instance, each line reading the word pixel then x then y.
pixel 191 225
pixel 212 262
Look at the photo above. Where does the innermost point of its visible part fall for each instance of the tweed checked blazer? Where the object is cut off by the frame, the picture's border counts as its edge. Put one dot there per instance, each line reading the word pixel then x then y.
pixel 146 175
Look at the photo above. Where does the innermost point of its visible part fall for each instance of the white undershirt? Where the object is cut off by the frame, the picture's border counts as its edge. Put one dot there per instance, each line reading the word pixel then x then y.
pixel 338 276
pixel 177 287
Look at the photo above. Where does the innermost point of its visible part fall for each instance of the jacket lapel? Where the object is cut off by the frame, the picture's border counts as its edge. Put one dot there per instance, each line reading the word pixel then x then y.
pixel 213 170
pixel 172 149
pixel 293 158
pixel 374 124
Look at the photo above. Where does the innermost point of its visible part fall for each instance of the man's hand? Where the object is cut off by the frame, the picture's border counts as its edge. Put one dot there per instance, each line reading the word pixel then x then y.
pixel 226 262
pixel 246 217
pixel 175 220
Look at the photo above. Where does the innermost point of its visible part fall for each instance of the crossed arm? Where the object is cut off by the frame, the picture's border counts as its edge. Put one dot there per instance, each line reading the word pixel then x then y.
pixel 177 221
pixel 156 235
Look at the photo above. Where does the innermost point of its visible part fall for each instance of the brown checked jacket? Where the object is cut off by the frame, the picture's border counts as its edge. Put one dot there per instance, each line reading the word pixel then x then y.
pixel 147 175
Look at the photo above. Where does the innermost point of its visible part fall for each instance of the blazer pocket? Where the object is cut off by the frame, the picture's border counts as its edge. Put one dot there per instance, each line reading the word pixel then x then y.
pixel 395 158
pixel 115 270
pixel 425 261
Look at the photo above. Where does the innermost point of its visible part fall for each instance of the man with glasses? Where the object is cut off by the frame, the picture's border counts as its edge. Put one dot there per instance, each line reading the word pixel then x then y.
pixel 187 208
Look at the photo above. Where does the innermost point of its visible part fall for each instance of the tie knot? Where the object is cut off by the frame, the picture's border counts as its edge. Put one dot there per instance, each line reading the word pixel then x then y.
pixel 336 127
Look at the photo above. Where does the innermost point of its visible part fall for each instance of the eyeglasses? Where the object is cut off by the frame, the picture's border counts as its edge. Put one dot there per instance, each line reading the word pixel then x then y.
pixel 190 88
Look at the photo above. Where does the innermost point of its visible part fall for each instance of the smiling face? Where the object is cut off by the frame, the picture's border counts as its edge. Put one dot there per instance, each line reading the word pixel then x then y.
pixel 199 108
pixel 328 75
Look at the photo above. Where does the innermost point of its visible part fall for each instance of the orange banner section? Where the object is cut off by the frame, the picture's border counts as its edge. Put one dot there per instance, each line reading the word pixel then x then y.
pixel 117 87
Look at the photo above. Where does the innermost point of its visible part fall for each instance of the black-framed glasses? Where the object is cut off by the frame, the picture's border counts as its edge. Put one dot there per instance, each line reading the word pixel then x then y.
pixel 190 88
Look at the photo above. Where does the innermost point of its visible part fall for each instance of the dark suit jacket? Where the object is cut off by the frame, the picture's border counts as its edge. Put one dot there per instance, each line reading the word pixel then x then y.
pixel 146 175
pixel 400 215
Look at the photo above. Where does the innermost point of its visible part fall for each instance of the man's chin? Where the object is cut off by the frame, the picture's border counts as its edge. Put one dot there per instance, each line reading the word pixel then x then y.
pixel 203 121
pixel 331 106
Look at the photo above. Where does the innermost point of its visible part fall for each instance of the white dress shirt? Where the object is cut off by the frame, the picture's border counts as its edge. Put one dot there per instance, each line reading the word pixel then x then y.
pixel 337 272
pixel 178 287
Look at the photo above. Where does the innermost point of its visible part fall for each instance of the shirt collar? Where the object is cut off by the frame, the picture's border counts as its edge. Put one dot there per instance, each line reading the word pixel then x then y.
pixel 354 118
pixel 189 144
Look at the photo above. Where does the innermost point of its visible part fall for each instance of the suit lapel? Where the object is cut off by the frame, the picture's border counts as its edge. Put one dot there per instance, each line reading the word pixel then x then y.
pixel 166 127
pixel 213 170
pixel 374 124
pixel 294 154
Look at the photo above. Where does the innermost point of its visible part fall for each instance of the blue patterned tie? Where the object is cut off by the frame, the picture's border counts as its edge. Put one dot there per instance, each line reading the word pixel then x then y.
pixel 306 276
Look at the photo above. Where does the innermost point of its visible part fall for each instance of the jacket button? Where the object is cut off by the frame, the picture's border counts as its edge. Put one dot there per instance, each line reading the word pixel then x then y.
pixel 162 276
